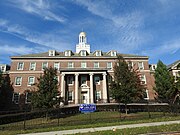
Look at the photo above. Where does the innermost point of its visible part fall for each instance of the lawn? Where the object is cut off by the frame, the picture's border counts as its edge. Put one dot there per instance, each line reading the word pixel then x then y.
pixel 173 128
pixel 96 119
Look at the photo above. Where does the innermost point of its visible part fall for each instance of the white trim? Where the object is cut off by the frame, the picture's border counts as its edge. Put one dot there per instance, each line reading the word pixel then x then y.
pixel 22 65
pixel 18 97
pixel 147 94
pixel 30 84
pixel 57 65
pixel 97 64
pixel 85 65
pixel 45 66
pixel 27 97
pixel 30 68
pixel 139 65
pixel 16 81
pixel 72 96
pixel 98 91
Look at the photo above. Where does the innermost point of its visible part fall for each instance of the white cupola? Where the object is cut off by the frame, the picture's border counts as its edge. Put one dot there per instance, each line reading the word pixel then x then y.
pixel 82 43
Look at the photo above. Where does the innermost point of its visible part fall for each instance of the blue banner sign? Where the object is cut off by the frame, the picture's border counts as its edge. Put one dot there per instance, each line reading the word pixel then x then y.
pixel 87 108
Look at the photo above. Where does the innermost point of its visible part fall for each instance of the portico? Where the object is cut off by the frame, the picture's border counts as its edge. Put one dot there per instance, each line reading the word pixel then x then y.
pixel 83 86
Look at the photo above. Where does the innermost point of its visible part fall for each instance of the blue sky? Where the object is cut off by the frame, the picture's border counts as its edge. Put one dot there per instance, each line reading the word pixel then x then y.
pixel 143 27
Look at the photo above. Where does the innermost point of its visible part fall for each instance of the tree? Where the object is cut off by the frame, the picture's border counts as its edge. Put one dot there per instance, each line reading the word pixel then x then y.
pixel 126 87
pixel 6 91
pixel 164 82
pixel 47 90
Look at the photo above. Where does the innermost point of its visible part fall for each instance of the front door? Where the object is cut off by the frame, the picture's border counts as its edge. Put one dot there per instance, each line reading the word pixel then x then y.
pixel 84 98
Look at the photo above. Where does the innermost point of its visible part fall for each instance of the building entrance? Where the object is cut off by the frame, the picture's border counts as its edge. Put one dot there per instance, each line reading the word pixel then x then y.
pixel 84 97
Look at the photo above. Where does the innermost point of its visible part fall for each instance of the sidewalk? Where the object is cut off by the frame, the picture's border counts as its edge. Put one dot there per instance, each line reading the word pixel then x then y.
pixel 74 131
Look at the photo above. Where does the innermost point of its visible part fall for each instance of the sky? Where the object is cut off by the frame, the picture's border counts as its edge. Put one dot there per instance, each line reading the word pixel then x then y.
pixel 143 27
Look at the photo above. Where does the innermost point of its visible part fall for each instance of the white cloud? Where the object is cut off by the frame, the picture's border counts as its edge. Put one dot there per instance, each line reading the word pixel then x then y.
pixel 125 28
pixel 41 8
pixel 51 40
pixel 170 47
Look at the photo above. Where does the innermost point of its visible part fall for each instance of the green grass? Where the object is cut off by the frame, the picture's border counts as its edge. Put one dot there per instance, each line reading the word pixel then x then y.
pixel 96 119
pixel 139 130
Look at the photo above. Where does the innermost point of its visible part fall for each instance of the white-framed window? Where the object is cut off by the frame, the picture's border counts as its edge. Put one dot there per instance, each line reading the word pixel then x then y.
pixel 98 95
pixel 44 65
pixel 113 53
pixel 70 96
pixel 70 65
pixel 130 64
pixel 109 65
pixel 83 53
pixel 28 97
pixel 96 64
pixel 52 52
pixel 146 94
pixel 31 80
pixel 2 68
pixel 83 64
pixel 70 80
pixel 97 80
pixel 15 97
pixel 18 81
pixel 56 65
pixel 32 66
pixel 143 79
pixel 20 66
pixel 83 80
pixel 67 53
pixel 98 53
pixel 140 65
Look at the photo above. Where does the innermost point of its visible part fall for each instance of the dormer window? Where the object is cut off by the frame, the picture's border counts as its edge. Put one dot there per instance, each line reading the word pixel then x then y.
pixel 52 52
pixel 83 53
pixel 67 53
pixel 113 53
pixel 98 53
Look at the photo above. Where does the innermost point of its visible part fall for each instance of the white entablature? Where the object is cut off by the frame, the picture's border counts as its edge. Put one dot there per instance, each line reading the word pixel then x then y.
pixel 82 43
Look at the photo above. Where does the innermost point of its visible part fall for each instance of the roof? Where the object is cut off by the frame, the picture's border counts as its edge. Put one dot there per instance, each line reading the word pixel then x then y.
pixel 173 64
pixel 75 55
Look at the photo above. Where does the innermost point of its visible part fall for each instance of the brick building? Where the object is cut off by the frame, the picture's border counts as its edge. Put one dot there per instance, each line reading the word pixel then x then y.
pixel 82 75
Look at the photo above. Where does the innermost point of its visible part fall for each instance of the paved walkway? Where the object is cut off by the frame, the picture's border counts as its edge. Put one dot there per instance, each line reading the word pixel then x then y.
pixel 85 130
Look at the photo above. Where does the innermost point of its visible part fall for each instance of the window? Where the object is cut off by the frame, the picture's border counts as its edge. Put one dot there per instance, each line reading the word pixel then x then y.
pixel 20 66
pixel 31 80
pixel 67 53
pixel 98 95
pixel 83 53
pixel 51 52
pixel 96 64
pixel 97 80
pixel 70 96
pixel 56 65
pixel 98 53
pixel 32 66
pixel 44 65
pixel 143 79
pixel 70 80
pixel 83 79
pixel 18 81
pixel 28 97
pixel 70 64
pixel 130 64
pixel 2 68
pixel 113 53
pixel 83 64
pixel 140 65
pixel 15 98
pixel 109 65
pixel 146 96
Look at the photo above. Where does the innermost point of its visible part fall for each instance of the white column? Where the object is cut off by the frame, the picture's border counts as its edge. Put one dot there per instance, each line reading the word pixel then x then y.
pixel 76 89
pixel 91 88
pixel 104 88
pixel 62 86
